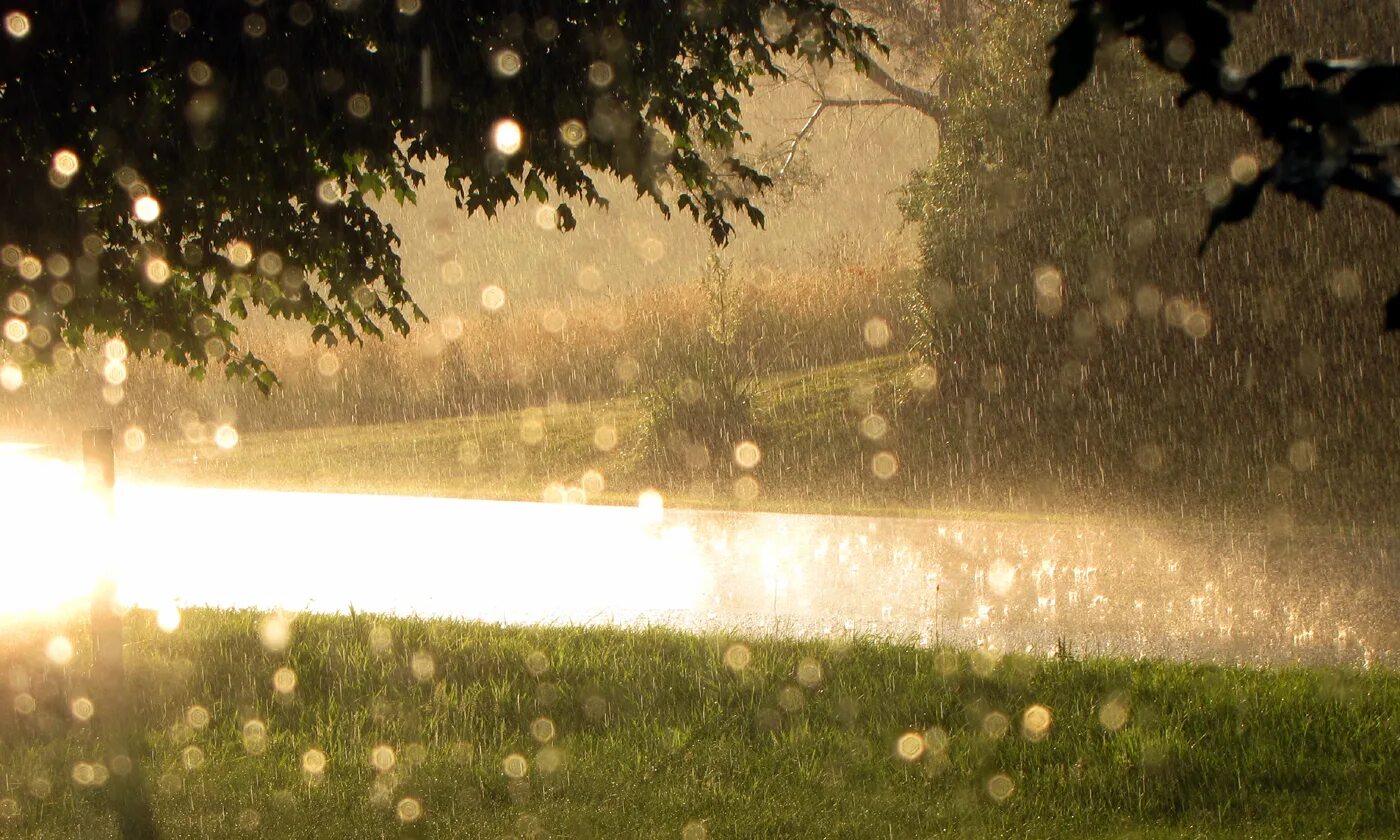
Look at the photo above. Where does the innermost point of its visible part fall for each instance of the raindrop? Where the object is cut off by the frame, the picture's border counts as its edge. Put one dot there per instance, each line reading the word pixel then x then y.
pixel 200 73
pixel 358 105
pixel 226 437
pixel 747 454
pixel 157 271
pixel 382 758
pixel 11 377
pixel 877 333
pixel 1113 714
pixel 1035 722
pixel 423 666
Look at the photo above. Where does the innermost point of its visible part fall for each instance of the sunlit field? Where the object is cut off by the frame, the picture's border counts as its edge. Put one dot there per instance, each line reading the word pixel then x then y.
pixel 365 726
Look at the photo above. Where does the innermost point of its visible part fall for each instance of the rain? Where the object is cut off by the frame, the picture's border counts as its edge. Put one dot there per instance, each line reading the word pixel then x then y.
pixel 488 486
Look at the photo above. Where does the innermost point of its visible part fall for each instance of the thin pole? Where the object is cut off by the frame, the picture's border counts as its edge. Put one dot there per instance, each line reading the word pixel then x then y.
pixel 121 741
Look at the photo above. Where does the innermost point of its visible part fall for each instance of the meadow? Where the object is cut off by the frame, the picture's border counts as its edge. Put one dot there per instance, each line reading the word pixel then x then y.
pixel 264 725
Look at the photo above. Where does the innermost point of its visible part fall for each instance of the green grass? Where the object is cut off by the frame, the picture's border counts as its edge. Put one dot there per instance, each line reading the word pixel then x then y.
pixel 653 732
pixel 815 460
pixel 488 456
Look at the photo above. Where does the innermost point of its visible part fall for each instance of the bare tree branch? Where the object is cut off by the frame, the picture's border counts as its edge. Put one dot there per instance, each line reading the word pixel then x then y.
pixel 903 95
pixel 924 101
pixel 861 103
pixel 800 136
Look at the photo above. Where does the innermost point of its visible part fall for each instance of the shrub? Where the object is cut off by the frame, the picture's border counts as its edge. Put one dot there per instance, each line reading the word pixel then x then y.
pixel 698 411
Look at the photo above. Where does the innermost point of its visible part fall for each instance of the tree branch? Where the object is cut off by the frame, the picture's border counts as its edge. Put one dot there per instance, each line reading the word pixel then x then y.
pixel 924 101
pixel 800 136
pixel 860 103
pixel 901 94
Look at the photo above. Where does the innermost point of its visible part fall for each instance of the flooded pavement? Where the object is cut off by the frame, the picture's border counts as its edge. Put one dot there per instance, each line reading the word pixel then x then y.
pixel 1219 595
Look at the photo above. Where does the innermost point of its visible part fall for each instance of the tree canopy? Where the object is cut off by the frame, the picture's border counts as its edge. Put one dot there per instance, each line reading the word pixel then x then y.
pixel 173 166
pixel 1081 345
pixel 1319 125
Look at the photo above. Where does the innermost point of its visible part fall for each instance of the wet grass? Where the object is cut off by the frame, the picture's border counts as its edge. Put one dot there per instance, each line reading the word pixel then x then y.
pixel 655 733
pixel 815 460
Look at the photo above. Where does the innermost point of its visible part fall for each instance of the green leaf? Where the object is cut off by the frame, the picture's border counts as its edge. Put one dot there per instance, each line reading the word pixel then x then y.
pixel 534 187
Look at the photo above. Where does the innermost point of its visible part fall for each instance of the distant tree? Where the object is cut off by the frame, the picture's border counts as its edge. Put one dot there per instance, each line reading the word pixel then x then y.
pixel 1319 124
pixel 172 166
pixel 1081 348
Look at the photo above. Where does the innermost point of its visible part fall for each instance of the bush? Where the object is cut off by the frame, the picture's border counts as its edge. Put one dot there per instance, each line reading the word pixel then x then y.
pixel 697 413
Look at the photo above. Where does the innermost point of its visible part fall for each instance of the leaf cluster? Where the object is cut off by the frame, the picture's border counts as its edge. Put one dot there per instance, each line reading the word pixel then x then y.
pixel 269 134
pixel 1317 124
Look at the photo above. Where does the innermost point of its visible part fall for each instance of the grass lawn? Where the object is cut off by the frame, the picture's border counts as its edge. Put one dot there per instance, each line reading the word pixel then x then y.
pixel 815 459
pixel 413 728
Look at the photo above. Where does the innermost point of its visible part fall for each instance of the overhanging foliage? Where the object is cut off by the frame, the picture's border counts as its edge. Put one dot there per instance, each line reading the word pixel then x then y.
pixel 173 166
pixel 1317 124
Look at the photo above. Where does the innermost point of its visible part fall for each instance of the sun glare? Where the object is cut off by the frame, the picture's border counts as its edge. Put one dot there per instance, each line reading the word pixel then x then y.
pixel 159 551
pixel 42 498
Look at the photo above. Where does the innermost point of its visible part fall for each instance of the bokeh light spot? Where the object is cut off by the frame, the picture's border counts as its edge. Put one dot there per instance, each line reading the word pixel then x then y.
pixel 507 136
pixel 382 758
pixel 146 208
pixel 284 680
pixel 493 298
pixel 65 163
pixel 409 809
pixel 1035 722
pixel 314 762
pixel 17 25
pixel 226 437
pixel 168 618
pixel 1000 787
pixel 910 746
pixel 82 709
pixel 747 454
pixel 59 650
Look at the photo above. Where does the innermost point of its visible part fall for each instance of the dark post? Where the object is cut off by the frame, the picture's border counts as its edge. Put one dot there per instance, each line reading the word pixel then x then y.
pixel 121 742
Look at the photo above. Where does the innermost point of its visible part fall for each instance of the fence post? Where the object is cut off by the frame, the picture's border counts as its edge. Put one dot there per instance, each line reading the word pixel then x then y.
pixel 121 741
